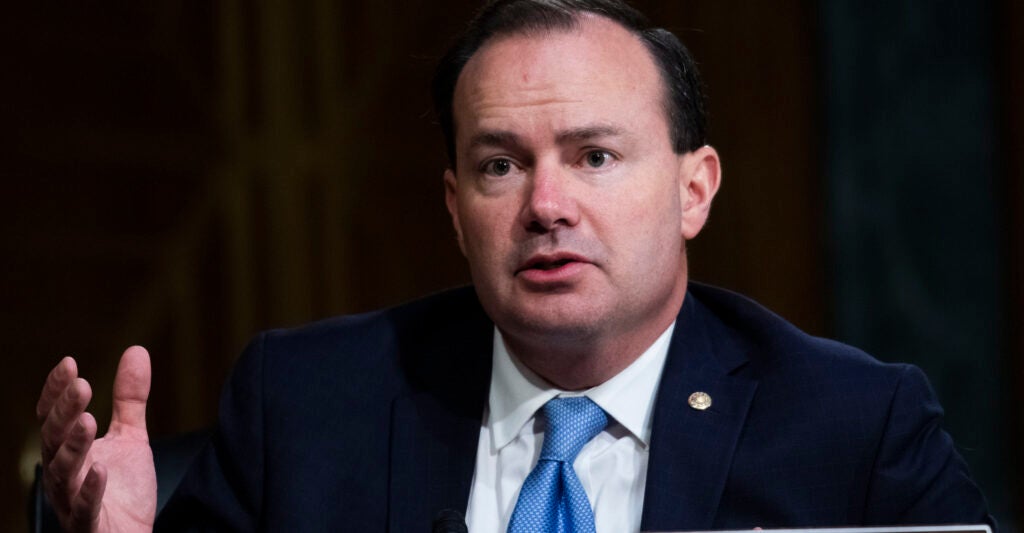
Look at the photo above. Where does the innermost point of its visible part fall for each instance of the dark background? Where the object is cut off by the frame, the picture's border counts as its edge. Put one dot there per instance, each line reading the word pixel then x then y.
pixel 184 174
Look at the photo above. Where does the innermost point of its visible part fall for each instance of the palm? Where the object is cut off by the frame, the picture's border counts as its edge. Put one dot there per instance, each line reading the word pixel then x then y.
pixel 129 502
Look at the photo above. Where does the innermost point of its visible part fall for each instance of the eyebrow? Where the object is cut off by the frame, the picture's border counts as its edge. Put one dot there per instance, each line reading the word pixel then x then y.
pixel 495 138
pixel 587 133
pixel 508 139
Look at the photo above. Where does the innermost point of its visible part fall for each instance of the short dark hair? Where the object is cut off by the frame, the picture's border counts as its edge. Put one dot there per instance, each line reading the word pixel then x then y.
pixel 684 103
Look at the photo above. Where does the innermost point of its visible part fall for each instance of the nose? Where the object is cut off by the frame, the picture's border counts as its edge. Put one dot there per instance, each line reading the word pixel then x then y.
pixel 549 201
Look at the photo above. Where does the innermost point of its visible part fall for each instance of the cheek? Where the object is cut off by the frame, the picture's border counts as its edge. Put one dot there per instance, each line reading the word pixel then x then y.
pixel 483 234
pixel 645 229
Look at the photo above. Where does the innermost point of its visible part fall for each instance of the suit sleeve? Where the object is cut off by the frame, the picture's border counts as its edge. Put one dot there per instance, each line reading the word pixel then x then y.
pixel 919 478
pixel 223 489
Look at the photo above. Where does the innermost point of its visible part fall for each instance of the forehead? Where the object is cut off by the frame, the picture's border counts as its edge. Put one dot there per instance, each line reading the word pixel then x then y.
pixel 599 68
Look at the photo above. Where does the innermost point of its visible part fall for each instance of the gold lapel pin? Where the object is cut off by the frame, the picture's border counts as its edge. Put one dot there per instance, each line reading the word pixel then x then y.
pixel 700 401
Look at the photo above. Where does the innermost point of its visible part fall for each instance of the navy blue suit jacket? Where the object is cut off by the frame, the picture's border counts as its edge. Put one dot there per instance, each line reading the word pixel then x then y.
pixel 371 423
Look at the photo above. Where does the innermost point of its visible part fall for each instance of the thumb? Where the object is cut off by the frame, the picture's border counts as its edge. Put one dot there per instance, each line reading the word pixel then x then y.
pixel 131 389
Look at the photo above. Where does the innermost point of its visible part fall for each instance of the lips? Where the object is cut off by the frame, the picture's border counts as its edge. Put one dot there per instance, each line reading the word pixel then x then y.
pixel 550 262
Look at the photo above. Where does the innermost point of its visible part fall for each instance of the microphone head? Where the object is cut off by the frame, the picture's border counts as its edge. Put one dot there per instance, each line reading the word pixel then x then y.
pixel 449 521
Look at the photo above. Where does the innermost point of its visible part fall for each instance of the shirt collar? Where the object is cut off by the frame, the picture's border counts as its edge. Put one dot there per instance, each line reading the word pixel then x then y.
pixel 628 397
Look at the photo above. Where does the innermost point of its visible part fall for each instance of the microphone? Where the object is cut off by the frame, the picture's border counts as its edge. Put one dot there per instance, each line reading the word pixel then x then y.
pixel 449 521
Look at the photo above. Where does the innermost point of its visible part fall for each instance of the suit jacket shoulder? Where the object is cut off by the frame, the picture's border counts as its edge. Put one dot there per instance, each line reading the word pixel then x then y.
pixel 318 425
pixel 802 431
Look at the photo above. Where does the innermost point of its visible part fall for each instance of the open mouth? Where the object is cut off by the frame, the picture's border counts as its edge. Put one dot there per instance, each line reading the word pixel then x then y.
pixel 550 265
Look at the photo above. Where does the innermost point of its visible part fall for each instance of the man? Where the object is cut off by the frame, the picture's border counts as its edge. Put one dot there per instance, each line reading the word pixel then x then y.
pixel 578 170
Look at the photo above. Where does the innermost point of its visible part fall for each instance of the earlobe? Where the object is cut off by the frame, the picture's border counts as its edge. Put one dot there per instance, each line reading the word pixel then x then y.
pixel 700 177
pixel 451 200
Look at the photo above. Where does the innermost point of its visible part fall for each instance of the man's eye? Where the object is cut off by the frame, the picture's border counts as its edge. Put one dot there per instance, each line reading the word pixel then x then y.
pixel 498 167
pixel 597 158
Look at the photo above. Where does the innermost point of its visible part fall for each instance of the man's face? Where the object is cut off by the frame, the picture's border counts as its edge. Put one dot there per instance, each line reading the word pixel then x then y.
pixel 568 199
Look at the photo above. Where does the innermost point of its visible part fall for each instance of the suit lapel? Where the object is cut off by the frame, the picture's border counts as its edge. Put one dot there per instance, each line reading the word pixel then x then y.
pixel 435 429
pixel 691 450
pixel 433 452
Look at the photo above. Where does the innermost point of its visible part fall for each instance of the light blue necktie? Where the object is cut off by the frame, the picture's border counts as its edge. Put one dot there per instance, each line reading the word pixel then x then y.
pixel 552 499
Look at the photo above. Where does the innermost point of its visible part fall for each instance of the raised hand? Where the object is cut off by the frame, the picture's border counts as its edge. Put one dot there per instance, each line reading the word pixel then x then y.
pixel 105 484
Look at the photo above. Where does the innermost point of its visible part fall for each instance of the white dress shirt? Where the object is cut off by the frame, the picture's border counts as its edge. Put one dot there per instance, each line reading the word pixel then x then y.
pixel 612 467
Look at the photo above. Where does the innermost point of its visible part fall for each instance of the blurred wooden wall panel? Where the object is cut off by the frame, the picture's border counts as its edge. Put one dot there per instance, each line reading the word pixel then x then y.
pixel 1011 55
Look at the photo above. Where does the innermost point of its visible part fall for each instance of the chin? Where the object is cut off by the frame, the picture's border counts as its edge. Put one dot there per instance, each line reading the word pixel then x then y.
pixel 553 322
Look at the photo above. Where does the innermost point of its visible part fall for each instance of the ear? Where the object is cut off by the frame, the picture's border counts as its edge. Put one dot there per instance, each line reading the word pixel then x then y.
pixel 451 199
pixel 699 178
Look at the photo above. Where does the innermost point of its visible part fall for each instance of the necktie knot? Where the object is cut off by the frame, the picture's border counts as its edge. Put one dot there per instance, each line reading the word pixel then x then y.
pixel 571 424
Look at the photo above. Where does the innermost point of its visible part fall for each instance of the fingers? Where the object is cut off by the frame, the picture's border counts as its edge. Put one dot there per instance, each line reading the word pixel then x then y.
pixel 59 378
pixel 85 507
pixel 62 415
pixel 61 476
pixel 131 390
